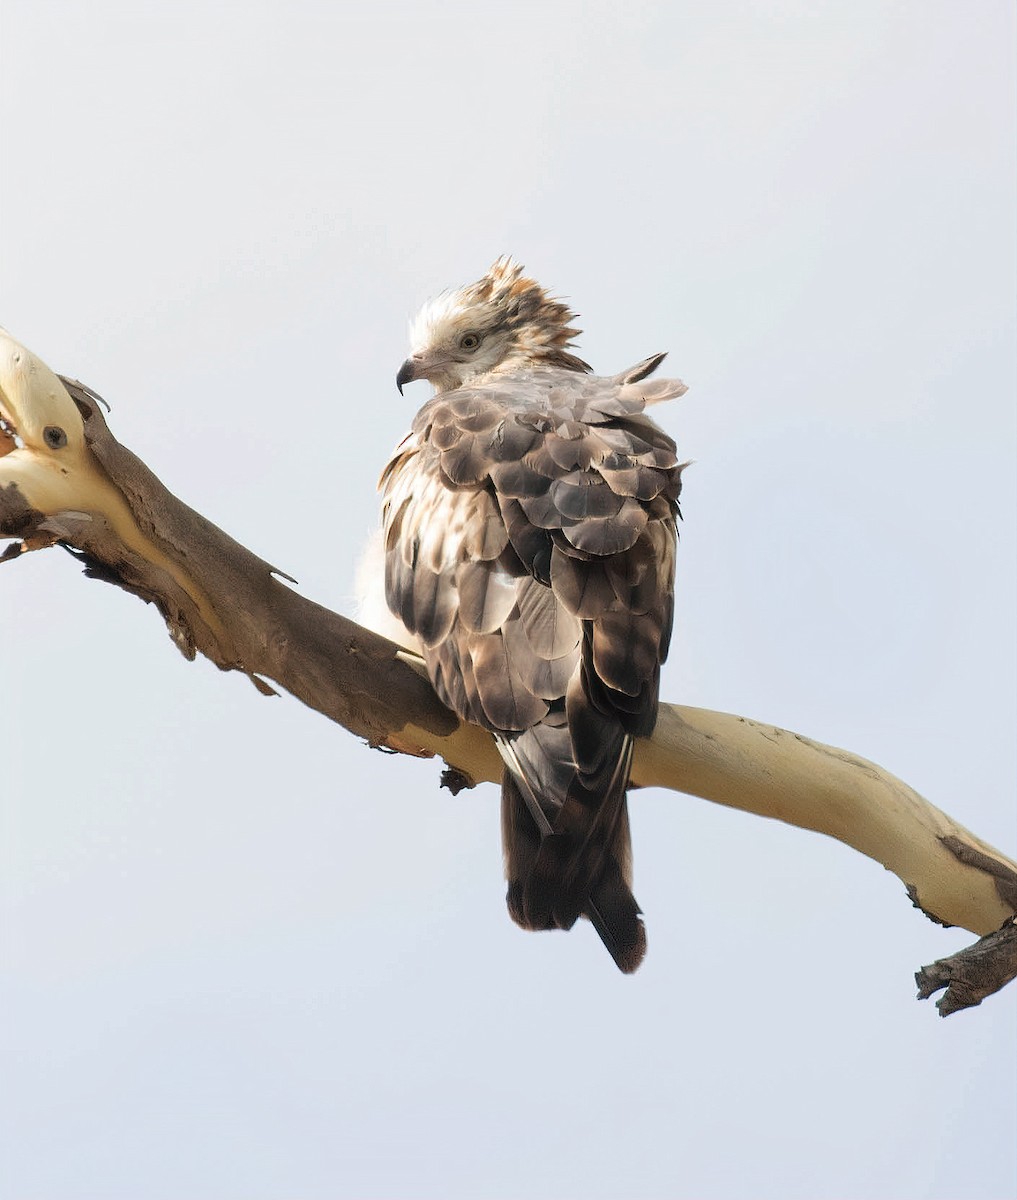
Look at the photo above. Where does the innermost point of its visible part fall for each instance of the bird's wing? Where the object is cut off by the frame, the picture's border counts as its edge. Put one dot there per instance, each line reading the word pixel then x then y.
pixel 530 537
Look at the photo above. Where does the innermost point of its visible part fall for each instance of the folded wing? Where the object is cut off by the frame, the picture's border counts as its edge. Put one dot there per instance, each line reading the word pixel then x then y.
pixel 530 541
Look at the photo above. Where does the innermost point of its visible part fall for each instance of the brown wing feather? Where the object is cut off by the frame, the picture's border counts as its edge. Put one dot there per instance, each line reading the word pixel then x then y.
pixel 530 538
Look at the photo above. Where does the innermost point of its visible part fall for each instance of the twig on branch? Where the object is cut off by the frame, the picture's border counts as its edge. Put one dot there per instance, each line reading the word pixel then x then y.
pixel 973 973
pixel 65 479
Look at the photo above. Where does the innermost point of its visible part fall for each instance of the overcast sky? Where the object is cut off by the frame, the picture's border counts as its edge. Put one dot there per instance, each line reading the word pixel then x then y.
pixel 243 957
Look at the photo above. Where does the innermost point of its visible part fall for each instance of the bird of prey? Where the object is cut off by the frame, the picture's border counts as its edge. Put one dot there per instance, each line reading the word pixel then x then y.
pixel 529 523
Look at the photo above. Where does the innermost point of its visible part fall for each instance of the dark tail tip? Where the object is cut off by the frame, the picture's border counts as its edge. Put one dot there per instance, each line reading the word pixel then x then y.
pixel 614 913
pixel 628 958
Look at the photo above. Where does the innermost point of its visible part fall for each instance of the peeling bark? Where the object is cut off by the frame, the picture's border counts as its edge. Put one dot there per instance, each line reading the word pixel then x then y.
pixel 972 974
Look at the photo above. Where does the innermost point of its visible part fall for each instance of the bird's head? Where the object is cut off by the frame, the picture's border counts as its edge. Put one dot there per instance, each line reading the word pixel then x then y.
pixel 503 322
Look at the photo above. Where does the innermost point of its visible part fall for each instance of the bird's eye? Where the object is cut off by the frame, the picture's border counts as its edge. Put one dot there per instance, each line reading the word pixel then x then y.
pixel 469 341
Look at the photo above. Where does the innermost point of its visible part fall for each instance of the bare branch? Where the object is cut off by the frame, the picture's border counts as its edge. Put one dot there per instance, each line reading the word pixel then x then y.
pixel 80 488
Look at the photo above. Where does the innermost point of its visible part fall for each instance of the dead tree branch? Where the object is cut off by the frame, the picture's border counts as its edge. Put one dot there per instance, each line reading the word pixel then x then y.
pixel 65 479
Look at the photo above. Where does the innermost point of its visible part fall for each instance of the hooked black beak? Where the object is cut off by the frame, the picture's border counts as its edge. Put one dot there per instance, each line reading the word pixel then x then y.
pixel 407 374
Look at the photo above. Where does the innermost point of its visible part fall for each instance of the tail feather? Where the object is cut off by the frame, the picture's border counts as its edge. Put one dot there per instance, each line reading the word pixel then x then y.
pixel 614 913
pixel 560 869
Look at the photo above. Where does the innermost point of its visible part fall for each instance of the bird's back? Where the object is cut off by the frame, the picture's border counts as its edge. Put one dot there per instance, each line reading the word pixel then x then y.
pixel 530 537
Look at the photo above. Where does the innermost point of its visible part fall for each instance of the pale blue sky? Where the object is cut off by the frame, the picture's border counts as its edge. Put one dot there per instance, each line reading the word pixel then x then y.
pixel 244 958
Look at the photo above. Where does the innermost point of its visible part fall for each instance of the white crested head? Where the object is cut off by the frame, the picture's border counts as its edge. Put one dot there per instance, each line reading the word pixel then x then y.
pixel 502 322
